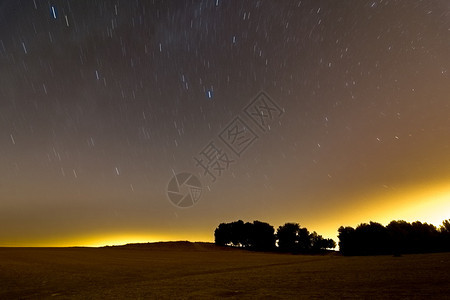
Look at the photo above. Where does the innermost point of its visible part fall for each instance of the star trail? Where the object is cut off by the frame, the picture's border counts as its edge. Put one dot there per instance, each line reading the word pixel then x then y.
pixel 103 102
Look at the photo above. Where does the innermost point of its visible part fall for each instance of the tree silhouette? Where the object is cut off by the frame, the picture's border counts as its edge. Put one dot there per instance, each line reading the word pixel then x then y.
pixel 424 237
pixel 347 240
pixel 258 236
pixel 318 243
pixel 444 231
pixel 262 236
pixel 372 238
pixel 445 227
pixel 234 234
pixel 239 234
pixel 399 236
pixel 292 238
pixel 330 244
pixel 222 234
pixel 396 238
pixel 287 236
pixel 304 241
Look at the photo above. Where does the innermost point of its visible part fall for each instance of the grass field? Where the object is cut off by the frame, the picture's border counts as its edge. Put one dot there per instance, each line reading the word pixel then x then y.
pixel 184 270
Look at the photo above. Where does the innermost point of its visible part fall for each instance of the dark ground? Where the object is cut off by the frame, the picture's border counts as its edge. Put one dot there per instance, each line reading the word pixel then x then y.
pixel 184 270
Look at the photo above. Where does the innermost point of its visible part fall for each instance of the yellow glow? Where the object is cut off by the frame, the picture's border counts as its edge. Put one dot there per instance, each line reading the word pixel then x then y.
pixel 99 239
pixel 428 202
pixel 111 239
pixel 120 239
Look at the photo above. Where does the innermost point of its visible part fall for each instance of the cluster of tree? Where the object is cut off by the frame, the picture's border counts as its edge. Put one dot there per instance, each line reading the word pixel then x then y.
pixel 295 239
pixel 261 236
pixel 399 237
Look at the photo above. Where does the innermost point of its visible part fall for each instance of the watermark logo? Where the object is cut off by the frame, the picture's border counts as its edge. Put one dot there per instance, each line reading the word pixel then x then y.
pixel 213 161
pixel 263 111
pixel 238 136
pixel 185 189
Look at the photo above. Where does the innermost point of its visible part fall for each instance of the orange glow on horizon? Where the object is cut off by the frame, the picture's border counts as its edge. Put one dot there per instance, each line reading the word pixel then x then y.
pixel 108 239
pixel 427 203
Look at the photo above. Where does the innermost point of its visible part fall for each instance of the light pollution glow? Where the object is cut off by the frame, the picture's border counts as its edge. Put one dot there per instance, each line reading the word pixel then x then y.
pixel 428 203
pixel 98 109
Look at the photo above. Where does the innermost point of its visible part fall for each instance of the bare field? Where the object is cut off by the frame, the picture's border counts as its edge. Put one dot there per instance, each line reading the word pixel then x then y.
pixel 198 270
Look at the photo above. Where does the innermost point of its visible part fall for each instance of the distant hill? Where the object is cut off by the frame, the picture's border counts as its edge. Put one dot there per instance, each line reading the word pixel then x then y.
pixel 173 246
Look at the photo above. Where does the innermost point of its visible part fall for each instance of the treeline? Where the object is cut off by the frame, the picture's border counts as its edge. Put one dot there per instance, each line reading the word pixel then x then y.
pixel 398 237
pixel 261 236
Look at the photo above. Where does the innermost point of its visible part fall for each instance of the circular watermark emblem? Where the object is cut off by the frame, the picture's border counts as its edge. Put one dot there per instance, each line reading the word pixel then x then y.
pixel 184 190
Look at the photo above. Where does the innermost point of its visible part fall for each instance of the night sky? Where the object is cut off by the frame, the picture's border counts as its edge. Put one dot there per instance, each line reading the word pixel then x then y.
pixel 102 102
